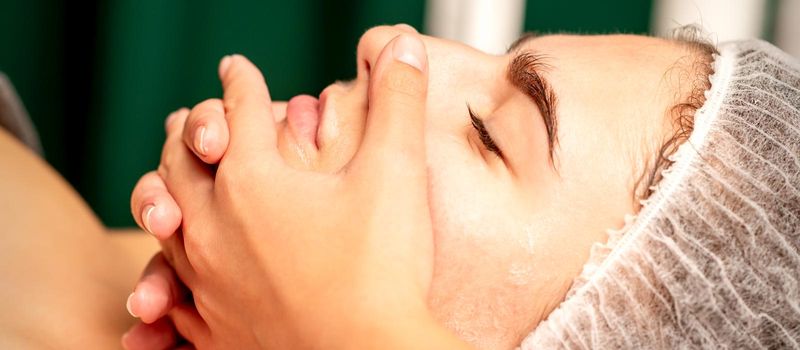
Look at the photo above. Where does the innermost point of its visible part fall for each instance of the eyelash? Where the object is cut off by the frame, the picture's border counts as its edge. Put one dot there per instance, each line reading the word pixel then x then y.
pixel 484 136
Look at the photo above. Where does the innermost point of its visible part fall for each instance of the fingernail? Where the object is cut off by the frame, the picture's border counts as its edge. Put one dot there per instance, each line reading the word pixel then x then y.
pixel 409 50
pixel 200 141
pixel 223 65
pixel 146 217
pixel 128 305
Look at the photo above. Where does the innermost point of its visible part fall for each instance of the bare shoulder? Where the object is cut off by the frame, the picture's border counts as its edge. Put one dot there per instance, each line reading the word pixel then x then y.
pixel 64 279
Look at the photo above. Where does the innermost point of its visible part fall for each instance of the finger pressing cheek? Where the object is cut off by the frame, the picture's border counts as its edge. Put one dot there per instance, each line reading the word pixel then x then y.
pixel 153 207
pixel 206 131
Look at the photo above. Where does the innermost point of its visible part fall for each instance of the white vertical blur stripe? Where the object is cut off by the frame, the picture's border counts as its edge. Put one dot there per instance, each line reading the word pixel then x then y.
pixel 488 25
pixel 787 27
pixel 441 18
pixel 723 19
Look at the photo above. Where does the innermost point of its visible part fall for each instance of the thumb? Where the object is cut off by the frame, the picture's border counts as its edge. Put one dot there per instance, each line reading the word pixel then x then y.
pixel 394 137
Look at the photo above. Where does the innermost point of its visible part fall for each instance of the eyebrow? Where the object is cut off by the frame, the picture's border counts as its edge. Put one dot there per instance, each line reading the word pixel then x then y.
pixel 524 72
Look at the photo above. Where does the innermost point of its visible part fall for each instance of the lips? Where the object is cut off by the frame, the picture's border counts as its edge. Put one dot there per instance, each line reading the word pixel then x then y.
pixel 303 117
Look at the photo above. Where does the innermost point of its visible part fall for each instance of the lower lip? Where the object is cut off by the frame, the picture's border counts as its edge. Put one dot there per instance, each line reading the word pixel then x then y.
pixel 302 115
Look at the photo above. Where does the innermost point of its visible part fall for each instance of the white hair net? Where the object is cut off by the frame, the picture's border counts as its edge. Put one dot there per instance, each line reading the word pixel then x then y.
pixel 713 258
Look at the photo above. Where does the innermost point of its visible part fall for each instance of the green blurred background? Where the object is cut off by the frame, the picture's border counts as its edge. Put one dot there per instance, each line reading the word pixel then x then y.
pixel 99 77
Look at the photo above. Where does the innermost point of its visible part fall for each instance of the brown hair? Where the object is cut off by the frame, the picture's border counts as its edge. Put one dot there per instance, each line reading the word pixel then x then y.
pixel 682 114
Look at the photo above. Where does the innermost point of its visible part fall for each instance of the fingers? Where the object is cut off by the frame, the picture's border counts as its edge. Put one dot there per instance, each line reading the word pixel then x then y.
pixel 206 131
pixel 189 324
pixel 397 93
pixel 174 252
pixel 153 207
pixel 187 179
pixel 248 108
pixel 159 335
pixel 190 183
pixel 156 292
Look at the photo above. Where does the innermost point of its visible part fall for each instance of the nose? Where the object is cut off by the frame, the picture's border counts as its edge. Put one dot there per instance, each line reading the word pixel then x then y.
pixel 457 72
pixel 372 43
pixel 448 55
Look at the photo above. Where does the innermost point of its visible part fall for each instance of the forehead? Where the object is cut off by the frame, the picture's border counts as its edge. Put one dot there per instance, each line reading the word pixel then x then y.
pixel 618 46
pixel 618 63
pixel 612 91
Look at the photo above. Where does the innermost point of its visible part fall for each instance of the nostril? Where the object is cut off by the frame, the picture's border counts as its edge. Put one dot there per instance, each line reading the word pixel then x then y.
pixel 373 42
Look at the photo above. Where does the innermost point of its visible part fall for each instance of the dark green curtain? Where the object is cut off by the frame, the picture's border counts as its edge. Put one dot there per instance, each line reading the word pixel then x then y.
pixel 99 77
pixel 588 17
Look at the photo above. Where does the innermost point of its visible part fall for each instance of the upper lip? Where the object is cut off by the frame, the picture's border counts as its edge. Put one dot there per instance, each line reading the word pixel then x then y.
pixel 323 96
pixel 323 101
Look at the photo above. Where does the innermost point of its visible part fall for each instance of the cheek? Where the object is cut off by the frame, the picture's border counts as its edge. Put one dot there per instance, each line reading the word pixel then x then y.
pixel 486 284
pixel 475 213
pixel 474 210
pixel 481 238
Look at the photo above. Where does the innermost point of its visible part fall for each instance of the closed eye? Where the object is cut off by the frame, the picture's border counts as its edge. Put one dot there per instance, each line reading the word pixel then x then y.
pixel 483 134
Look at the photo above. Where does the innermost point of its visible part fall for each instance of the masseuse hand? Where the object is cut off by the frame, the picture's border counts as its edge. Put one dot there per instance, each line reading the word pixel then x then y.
pixel 276 256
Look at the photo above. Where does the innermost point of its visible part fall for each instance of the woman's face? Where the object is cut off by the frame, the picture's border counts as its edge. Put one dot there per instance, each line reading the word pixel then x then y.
pixel 513 221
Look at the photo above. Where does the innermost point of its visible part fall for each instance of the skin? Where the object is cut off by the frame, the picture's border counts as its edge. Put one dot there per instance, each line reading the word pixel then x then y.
pixel 346 224
pixel 64 276
pixel 502 261
pixel 615 103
